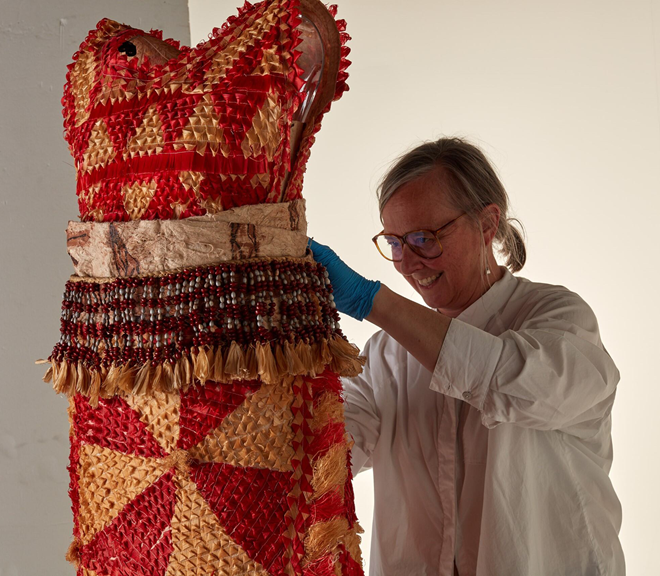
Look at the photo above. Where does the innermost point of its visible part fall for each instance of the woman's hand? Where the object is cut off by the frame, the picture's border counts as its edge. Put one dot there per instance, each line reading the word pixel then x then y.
pixel 353 294
pixel 417 328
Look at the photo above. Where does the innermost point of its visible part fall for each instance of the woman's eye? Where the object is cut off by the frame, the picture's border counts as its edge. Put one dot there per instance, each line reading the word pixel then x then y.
pixel 128 48
pixel 419 240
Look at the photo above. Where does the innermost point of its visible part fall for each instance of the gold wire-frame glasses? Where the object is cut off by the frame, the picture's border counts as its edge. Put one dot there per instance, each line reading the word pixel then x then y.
pixel 424 243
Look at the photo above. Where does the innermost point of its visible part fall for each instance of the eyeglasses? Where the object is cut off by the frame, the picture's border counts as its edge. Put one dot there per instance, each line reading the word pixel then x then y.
pixel 424 243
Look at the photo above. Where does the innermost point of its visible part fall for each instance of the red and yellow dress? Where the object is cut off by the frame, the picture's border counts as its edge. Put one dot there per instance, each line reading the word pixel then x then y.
pixel 199 344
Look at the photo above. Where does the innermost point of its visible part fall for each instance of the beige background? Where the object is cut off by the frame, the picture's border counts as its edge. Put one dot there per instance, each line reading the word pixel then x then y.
pixel 562 95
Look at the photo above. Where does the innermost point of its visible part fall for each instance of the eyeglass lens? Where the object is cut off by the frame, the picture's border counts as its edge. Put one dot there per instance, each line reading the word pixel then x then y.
pixel 423 243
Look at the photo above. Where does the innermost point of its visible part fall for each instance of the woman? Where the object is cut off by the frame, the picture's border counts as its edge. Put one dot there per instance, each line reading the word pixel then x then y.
pixel 486 415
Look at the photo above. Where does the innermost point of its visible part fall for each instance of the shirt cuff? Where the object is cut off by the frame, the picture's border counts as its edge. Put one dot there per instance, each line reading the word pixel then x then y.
pixel 466 363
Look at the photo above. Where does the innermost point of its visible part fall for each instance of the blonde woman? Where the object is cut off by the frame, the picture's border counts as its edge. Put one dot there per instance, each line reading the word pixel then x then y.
pixel 485 415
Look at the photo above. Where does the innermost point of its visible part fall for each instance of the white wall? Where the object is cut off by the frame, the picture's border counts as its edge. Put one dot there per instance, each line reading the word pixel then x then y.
pixel 563 95
pixel 37 197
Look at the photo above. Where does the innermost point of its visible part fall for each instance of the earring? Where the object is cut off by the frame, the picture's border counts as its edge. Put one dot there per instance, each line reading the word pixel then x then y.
pixel 487 269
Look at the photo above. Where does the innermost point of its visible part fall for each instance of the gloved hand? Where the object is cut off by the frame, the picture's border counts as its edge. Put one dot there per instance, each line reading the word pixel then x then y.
pixel 354 294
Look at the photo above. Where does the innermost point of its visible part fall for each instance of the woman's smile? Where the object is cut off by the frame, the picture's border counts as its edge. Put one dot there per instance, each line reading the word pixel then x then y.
pixel 428 281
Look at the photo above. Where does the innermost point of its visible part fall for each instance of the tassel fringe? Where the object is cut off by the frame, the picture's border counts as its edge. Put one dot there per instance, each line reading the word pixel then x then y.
pixel 323 537
pixel 269 363
pixel 73 553
pixel 331 500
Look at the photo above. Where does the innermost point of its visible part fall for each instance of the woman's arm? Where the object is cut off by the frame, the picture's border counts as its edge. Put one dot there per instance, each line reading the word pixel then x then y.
pixel 420 330
pixel 550 373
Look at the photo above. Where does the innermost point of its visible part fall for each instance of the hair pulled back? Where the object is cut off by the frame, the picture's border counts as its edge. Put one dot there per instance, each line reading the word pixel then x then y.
pixel 472 184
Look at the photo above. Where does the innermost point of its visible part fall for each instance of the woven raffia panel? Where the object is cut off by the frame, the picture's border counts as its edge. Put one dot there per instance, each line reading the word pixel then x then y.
pixel 207 427
pixel 226 478
pixel 163 131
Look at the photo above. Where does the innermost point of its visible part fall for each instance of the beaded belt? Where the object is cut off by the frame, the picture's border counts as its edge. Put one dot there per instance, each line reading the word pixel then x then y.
pixel 215 319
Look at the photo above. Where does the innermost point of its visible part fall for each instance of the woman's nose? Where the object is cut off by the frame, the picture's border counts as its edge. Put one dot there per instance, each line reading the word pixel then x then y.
pixel 409 263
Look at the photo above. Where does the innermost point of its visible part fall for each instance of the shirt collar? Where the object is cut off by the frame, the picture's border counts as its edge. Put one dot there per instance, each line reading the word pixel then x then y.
pixel 480 312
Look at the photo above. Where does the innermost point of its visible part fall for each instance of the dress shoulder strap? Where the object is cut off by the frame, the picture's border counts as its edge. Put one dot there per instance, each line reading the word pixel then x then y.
pixel 321 54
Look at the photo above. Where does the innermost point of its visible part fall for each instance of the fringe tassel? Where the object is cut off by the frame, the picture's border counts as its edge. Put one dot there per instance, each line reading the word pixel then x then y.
pixel 168 375
pixel 201 365
pixel 73 553
pixel 330 471
pixel 235 363
pixel 304 353
pixel 327 507
pixel 325 354
pixel 126 378
pixel 186 373
pixel 322 537
pixel 82 379
pixel 267 367
pixel 158 378
pixel 323 567
pixel 219 366
pixel 250 364
pixel 268 362
pixel 142 379
pixel 346 359
pixel 179 376
pixel 112 378
pixel 329 408
pixel 280 360
pixel 294 365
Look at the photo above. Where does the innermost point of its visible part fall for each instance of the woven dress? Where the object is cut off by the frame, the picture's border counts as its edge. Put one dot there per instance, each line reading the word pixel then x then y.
pixel 200 348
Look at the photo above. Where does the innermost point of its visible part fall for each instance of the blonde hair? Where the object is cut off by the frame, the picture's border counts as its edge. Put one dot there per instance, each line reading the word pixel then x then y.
pixel 472 185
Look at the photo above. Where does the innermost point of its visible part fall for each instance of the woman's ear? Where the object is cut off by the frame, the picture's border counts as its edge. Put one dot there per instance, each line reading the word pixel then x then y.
pixel 490 221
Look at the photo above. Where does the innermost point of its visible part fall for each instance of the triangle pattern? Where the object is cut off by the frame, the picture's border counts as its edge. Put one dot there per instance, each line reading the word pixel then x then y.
pixel 100 150
pixel 148 138
pixel 204 130
pixel 245 39
pixel 82 77
pixel 139 540
pixel 160 412
pixel 137 197
pixel 115 425
pixel 200 545
pixel 203 408
pixel 251 505
pixel 257 434
pixel 109 480
pixel 174 117
pixel 271 62
pixel 191 180
pixel 264 135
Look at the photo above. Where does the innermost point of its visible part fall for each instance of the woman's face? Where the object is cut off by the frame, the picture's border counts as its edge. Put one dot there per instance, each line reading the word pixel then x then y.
pixel 455 279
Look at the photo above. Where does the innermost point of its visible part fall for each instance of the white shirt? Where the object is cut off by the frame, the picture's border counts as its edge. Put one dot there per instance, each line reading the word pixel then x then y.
pixel 497 463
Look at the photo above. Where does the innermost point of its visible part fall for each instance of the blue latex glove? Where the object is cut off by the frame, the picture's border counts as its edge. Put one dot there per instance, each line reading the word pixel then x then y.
pixel 354 294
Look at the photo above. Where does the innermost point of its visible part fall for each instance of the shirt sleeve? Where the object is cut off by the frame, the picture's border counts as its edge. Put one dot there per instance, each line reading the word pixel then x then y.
pixel 552 373
pixel 362 417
